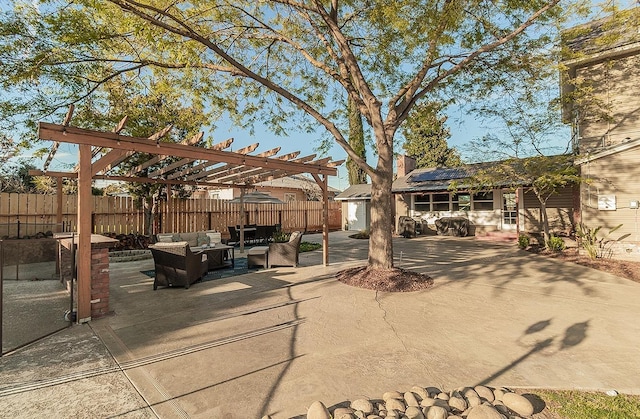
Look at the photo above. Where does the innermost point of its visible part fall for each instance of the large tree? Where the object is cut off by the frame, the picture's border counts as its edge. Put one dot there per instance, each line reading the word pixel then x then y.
pixel 278 60
pixel 426 134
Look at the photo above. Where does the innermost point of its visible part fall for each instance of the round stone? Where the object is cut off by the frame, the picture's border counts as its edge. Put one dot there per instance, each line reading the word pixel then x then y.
pixel 344 416
pixel 442 396
pixel 427 401
pixel 435 412
pixel 411 399
pixel 458 403
pixel 498 393
pixel 473 400
pixel 392 395
pixel 421 392
pixel 485 393
pixel 518 404
pixel 342 411
pixel 469 392
pixel 483 412
pixel 318 410
pixel 362 404
pixel 414 412
pixel 395 404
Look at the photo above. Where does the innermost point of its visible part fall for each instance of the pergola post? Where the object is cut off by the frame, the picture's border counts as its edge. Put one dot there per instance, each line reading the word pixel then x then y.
pixel 322 181
pixel 83 260
pixel 59 228
pixel 325 221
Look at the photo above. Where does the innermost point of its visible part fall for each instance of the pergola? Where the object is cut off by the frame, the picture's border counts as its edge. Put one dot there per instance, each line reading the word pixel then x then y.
pixel 101 152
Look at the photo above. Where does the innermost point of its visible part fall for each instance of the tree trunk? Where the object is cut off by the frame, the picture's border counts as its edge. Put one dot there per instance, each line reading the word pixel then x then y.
pixel 381 227
pixel 545 222
pixel 147 205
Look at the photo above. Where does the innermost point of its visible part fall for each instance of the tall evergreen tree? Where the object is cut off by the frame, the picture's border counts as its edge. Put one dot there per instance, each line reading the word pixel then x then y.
pixel 426 136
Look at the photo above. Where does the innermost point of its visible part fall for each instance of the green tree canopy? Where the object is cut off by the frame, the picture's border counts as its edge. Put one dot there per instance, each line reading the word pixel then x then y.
pixel 426 136
pixel 280 62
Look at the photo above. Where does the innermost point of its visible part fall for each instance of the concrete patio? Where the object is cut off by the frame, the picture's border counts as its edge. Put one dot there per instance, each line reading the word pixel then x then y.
pixel 273 341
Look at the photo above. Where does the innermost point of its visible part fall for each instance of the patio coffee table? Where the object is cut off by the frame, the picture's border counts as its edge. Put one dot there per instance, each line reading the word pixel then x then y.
pixel 218 255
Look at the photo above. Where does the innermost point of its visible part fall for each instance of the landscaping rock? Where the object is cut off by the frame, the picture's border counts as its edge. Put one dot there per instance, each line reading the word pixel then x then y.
pixel 420 392
pixel 318 410
pixel 395 404
pixel 341 411
pixel 480 402
pixel 410 399
pixel 485 393
pixel 458 403
pixel 414 412
pixel 518 404
pixel 362 404
pixel 392 395
pixel 483 412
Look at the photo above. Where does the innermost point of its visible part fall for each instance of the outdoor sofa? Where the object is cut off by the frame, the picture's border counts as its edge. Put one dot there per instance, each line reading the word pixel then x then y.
pixel 176 265
pixel 285 254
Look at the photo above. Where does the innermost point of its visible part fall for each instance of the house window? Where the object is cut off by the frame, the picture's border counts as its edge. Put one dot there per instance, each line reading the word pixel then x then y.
pixel 461 202
pixel 289 197
pixel 483 201
pixel 422 202
pixel 441 202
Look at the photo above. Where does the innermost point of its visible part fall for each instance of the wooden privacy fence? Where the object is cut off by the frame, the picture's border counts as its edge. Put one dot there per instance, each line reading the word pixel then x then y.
pixel 27 214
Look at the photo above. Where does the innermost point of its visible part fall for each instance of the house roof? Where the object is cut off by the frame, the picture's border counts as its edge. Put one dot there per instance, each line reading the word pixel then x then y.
pixel 355 193
pixel 608 151
pixel 604 38
pixel 434 178
pixel 294 182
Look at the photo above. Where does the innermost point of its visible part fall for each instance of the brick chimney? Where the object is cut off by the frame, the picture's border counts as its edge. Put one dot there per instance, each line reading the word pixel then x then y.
pixel 405 165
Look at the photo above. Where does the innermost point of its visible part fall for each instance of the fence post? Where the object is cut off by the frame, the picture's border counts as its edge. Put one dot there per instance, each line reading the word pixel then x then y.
pixel 18 221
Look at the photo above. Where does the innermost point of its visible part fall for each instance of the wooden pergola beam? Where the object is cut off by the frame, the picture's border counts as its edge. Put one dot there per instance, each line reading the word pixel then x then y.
pixel 53 132
pixel 242 172
pixel 157 159
pixel 226 169
pixel 202 166
pixel 135 179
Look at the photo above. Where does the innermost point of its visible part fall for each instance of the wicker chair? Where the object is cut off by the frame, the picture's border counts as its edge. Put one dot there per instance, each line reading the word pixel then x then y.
pixel 285 254
pixel 176 265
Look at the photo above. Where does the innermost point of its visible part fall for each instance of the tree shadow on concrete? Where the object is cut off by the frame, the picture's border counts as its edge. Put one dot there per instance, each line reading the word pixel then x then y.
pixel 573 336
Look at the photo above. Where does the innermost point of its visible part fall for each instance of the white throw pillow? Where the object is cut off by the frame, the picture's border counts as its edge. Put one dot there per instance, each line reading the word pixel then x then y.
pixel 214 238
pixel 165 238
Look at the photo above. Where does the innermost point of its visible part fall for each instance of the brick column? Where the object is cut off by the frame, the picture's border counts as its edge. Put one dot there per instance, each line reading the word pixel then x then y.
pixel 99 282
pixel 99 273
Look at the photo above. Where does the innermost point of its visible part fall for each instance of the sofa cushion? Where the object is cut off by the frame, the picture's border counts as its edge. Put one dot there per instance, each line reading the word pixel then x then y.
pixel 165 238
pixel 294 236
pixel 191 238
pixel 203 239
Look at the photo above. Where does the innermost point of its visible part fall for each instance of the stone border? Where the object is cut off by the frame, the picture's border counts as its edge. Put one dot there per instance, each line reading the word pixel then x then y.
pixel 129 255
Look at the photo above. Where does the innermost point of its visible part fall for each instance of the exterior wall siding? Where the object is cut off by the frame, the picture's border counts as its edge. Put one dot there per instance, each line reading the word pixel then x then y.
pixel 615 176
pixel 615 85
pixel 559 210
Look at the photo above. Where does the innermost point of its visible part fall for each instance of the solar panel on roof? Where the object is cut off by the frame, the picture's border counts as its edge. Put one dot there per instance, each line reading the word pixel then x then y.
pixel 439 174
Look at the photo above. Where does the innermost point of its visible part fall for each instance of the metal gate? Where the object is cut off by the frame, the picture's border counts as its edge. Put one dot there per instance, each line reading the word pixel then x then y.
pixel 34 303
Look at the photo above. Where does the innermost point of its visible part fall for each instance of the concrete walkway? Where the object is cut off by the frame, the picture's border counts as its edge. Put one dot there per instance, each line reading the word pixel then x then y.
pixel 273 341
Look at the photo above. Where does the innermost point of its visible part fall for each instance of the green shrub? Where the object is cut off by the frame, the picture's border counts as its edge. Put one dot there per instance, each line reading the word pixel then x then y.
pixel 523 241
pixel 556 244
pixel 281 237
pixel 309 247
